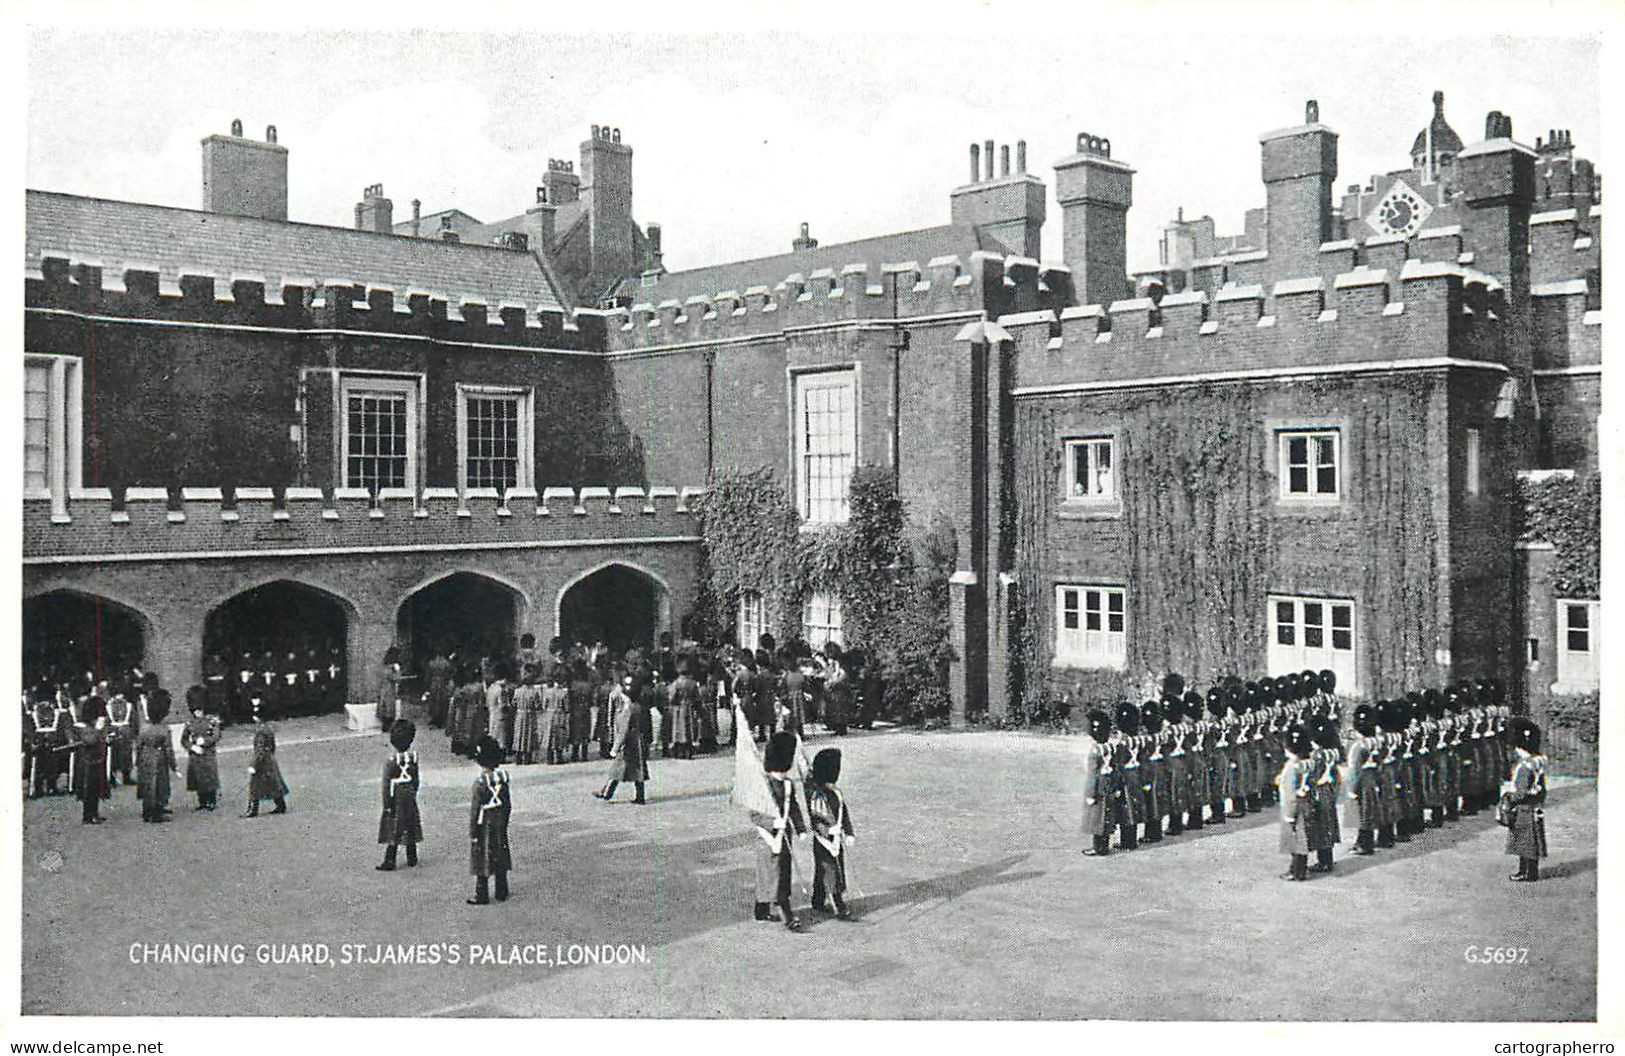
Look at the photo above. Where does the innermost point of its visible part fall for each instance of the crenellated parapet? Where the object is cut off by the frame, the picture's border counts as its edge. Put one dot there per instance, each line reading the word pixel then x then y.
pixel 205 521
pixel 315 305
pixel 1356 319
pixel 941 286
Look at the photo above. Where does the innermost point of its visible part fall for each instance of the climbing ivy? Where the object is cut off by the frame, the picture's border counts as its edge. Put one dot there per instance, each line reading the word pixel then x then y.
pixel 1567 513
pixel 750 534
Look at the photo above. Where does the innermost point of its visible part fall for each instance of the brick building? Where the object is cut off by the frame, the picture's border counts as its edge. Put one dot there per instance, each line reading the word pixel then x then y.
pixel 1297 447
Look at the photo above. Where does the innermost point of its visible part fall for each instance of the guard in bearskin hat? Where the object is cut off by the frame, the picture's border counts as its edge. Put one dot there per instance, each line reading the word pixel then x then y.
pixel 1476 777
pixel 1235 749
pixel 1296 805
pixel 1098 778
pixel 1176 763
pixel 1429 759
pixel 155 759
pixel 400 822
pixel 490 806
pixel 1131 809
pixel 1196 760
pixel 91 770
pixel 832 833
pixel 1253 777
pixel 1216 746
pixel 1153 770
pixel 778 831
pixel 1325 783
pixel 1365 804
pixel 628 758
pixel 1382 751
pixel 201 738
pixel 1414 771
pixel 265 775
pixel 1523 801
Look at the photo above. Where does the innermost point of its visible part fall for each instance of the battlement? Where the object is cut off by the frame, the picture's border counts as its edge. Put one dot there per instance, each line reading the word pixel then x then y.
pixel 945 285
pixel 1420 311
pixel 314 304
pixel 200 521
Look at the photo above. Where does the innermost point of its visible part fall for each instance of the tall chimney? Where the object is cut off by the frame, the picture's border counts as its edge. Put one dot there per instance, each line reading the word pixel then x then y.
pixel 975 162
pixel 244 177
pixel 805 239
pixel 606 189
pixel 375 212
pixel 1095 193
pixel 1021 156
pixel 417 217
pixel 987 156
pixel 1300 168
pixel 1004 160
pixel 1009 210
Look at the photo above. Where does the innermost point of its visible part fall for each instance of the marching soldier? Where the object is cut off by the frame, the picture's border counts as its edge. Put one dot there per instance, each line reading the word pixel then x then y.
pixel 121 733
pixel 265 775
pixel 628 748
pixel 1098 778
pixel 1218 755
pixel 490 807
pixel 1231 789
pixel 90 742
pixel 1364 798
pixel 155 759
pixel 1195 732
pixel 1474 772
pixel 400 821
pixel 832 833
pixel 200 737
pixel 1385 752
pixel 1249 755
pixel 1523 801
pixel 1153 770
pixel 1296 808
pixel 1449 752
pixel 777 831
pixel 1430 760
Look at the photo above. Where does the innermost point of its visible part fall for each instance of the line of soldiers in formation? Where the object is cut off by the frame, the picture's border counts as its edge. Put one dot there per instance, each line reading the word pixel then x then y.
pixel 275 683
pixel 562 705
pixel 1411 763
pixel 110 736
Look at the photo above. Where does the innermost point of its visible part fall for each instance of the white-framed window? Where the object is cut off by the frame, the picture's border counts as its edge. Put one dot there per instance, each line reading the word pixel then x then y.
pixel 751 623
pixel 1472 461
pixel 821 621
pixel 380 432
pixel 495 426
pixel 1090 469
pixel 1090 625
pixel 1314 634
pixel 1311 466
pixel 826 443
pixel 1579 640
pixel 53 427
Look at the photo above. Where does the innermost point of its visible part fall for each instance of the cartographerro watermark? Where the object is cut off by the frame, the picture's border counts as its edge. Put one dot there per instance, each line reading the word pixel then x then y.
pixel 365 954
pixel 1553 1048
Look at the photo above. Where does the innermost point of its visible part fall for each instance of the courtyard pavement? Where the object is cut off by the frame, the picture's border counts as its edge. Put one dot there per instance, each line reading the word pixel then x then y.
pixel 975 902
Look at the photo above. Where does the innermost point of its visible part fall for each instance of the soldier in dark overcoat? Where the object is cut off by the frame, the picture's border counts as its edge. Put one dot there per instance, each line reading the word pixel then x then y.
pixel 490 806
pixel 1324 787
pixel 1384 750
pixel 400 822
pixel 627 750
pixel 91 783
pixel 1196 756
pixel 580 705
pixel 1153 771
pixel 1214 747
pixel 1364 795
pixel 265 774
pixel 777 831
pixel 122 728
pixel 200 738
pixel 1098 777
pixel 1523 800
pixel 1129 786
pixel 832 833
pixel 155 759
pixel 1176 763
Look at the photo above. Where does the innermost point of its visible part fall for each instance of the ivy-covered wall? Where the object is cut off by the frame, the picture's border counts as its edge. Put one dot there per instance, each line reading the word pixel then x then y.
pixel 1200 538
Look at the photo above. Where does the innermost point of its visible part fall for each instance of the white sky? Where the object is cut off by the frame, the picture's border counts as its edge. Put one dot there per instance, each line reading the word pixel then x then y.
pixel 737 139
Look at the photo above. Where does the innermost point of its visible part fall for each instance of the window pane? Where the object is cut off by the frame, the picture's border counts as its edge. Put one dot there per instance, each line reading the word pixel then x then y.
pixel 1324 451
pixel 1579 617
pixel 1342 616
pixel 1313 638
pixel 1284 613
pixel 1297 451
pixel 1342 639
pixel 1298 480
pixel 1579 641
pixel 1326 480
pixel 1312 613
pixel 1114 601
pixel 828 447
pixel 1114 622
pixel 1285 634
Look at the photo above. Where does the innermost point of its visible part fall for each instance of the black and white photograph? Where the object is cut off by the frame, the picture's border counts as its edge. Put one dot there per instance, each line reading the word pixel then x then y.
pixel 1001 518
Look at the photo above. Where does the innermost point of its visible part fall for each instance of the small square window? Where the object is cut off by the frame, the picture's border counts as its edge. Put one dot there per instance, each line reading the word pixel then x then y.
pixel 1089 470
pixel 1100 641
pixel 1309 464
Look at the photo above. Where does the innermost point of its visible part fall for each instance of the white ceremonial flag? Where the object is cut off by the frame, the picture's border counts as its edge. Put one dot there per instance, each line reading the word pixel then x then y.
pixel 750 783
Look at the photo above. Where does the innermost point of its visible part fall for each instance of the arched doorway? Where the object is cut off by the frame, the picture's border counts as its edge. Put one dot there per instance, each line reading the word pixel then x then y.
pixel 466 613
pixel 618 605
pixel 283 643
pixel 67 634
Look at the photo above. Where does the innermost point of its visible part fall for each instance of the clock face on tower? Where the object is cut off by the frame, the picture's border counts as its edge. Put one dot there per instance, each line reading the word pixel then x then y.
pixel 1400 212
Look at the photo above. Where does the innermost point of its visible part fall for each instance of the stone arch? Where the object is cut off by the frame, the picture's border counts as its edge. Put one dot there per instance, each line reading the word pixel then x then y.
pixel 285 626
pixel 469 610
pixel 635 620
pixel 131 640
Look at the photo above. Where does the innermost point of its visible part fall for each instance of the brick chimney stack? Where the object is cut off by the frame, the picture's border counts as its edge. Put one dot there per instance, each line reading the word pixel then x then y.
pixel 1095 192
pixel 1299 167
pixel 1008 207
pixel 375 212
pixel 606 189
pixel 245 177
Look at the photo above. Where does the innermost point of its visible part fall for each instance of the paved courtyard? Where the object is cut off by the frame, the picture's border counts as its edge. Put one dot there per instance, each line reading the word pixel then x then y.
pixel 975 903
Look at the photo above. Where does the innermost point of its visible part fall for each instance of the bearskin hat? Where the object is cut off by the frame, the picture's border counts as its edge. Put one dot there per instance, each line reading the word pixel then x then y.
pixel 1100 725
pixel 157 704
pixel 1173 684
pixel 781 753
pixel 1128 718
pixel 402 733
pixel 1298 741
pixel 1525 735
pixel 1173 710
pixel 1326 734
pixel 196 698
pixel 1150 717
pixel 1327 681
pixel 488 753
pixel 826 766
pixel 766 643
pixel 1365 719
pixel 1215 702
pixel 1494 691
pixel 1287 686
